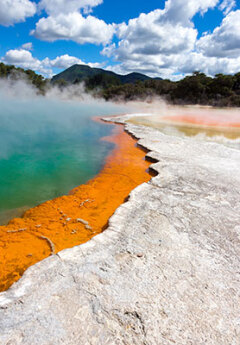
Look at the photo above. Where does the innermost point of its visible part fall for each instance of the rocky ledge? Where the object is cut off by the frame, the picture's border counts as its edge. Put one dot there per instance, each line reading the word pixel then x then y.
pixel 166 271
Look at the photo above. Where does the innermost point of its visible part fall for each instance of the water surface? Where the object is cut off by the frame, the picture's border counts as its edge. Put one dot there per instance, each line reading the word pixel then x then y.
pixel 48 147
pixel 220 125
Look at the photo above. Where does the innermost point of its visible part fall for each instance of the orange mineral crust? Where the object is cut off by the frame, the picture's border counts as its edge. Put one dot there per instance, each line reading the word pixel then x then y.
pixel 73 219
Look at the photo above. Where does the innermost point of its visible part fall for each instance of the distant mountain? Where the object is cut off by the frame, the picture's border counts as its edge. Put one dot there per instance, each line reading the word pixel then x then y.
pixel 97 76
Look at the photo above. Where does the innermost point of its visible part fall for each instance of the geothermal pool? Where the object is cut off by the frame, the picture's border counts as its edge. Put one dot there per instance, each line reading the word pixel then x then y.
pixel 54 151
pixel 48 147
pixel 221 125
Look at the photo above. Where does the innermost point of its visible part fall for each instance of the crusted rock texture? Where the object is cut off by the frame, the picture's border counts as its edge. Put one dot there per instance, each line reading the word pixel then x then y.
pixel 166 271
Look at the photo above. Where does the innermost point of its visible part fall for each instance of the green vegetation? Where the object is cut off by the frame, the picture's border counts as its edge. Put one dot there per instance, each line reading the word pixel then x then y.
pixel 96 77
pixel 15 73
pixel 222 90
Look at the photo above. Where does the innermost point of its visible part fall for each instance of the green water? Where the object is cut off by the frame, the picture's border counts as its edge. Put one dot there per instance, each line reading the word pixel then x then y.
pixel 47 148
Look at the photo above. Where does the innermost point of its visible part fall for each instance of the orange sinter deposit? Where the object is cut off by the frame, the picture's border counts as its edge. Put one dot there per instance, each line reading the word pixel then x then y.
pixel 73 219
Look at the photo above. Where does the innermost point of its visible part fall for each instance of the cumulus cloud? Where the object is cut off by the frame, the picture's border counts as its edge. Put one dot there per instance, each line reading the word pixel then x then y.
pixel 24 58
pixel 73 26
pixel 165 43
pixel 209 65
pixel 225 39
pixel 55 7
pixel 62 62
pixel 21 57
pixel 151 41
pixel 15 11
pixel 167 31
pixel 66 61
pixel 182 11
pixel 67 20
pixel 149 36
pixel 162 43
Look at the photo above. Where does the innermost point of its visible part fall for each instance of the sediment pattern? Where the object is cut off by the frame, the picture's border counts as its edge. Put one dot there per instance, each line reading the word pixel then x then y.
pixel 166 271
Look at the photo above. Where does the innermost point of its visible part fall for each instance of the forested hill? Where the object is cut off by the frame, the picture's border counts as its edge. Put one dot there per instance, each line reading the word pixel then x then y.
pixel 17 73
pixel 94 77
pixel 221 90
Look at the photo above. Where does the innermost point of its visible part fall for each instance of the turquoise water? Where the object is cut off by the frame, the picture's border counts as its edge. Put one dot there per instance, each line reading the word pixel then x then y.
pixel 48 147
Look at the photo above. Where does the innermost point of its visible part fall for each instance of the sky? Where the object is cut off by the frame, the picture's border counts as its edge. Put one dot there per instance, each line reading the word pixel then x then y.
pixel 160 38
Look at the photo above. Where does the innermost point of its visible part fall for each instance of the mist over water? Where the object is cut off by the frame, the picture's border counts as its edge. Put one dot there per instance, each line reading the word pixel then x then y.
pixel 202 123
pixel 48 146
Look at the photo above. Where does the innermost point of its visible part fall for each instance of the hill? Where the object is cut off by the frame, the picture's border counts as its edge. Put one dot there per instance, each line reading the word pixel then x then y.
pixel 16 73
pixel 221 91
pixel 94 76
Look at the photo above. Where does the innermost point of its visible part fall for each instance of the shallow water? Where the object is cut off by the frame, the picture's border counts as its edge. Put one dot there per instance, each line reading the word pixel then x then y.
pixel 48 147
pixel 200 123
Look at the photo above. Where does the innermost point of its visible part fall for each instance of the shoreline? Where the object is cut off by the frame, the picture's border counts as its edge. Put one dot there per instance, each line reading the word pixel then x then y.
pixel 72 219
pixel 164 271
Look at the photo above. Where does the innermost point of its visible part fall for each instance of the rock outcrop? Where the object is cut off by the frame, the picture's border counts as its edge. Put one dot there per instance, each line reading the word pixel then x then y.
pixel 166 271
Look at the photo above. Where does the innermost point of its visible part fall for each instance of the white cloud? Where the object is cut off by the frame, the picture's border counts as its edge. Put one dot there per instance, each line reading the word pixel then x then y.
pixel 24 58
pixel 73 26
pixel 225 39
pixel 149 36
pixel 227 5
pixel 176 66
pixel 66 61
pixel 55 7
pixel 182 11
pixel 160 43
pixel 209 65
pixel 20 57
pixel 66 21
pixel 150 42
pixel 164 42
pixel 63 61
pixel 27 46
pixel 15 11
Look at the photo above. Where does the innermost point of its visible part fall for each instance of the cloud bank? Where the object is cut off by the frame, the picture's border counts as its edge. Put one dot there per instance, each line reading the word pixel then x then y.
pixel 163 42
pixel 24 58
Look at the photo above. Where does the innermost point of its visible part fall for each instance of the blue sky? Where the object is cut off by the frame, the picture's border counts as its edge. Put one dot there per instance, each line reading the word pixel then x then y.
pixel 169 38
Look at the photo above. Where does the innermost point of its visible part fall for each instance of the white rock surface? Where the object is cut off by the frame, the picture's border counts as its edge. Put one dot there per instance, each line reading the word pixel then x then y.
pixel 166 271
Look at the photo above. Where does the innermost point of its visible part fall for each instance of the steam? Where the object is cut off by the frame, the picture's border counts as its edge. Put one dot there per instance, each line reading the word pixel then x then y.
pixel 48 141
pixel 19 87
pixel 19 90
pixel 202 123
pixel 26 114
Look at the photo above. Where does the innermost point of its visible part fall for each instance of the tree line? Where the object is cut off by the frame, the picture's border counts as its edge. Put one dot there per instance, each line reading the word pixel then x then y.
pixel 221 90
pixel 13 73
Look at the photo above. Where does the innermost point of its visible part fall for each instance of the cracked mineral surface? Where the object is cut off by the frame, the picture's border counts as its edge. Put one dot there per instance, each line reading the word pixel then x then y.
pixel 166 271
